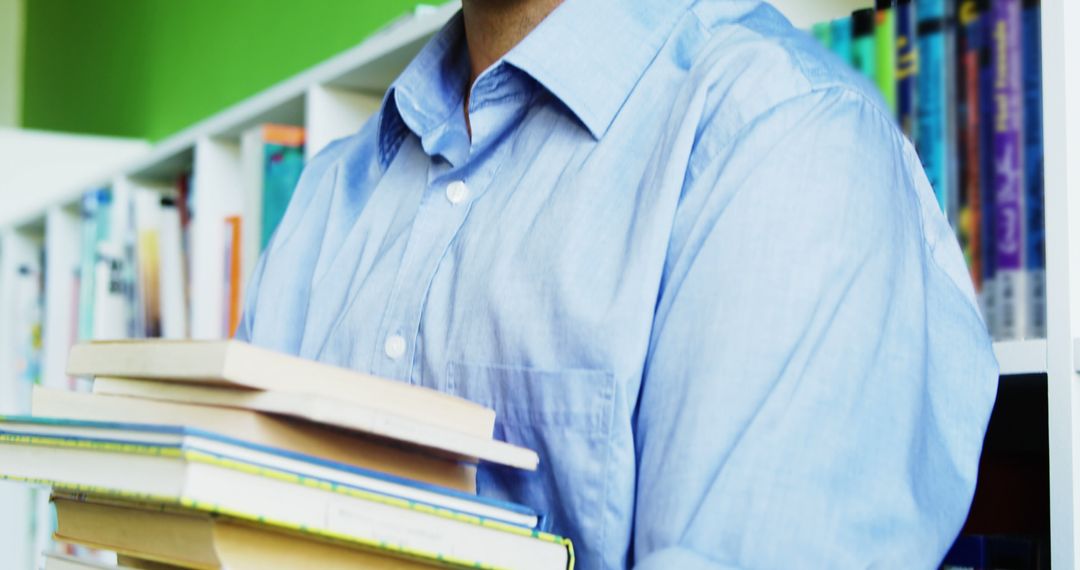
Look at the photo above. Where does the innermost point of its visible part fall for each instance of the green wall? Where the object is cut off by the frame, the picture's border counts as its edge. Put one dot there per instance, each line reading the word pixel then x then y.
pixel 149 68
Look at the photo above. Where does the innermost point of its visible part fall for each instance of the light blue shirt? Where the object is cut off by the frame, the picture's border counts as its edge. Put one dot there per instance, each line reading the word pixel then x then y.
pixel 687 258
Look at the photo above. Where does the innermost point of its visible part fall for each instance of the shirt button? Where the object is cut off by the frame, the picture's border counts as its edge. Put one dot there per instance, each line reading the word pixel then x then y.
pixel 395 347
pixel 457 192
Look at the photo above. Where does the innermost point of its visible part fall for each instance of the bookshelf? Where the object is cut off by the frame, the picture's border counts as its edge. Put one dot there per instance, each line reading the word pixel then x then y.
pixel 335 97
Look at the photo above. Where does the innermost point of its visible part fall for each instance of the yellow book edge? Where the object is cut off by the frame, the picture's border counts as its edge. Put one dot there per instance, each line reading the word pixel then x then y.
pixel 206 458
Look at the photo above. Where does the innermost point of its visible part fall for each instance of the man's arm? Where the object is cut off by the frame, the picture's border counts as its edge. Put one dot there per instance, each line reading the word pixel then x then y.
pixel 819 379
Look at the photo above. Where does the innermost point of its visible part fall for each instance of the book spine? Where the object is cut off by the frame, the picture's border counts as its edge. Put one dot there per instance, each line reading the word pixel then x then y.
pixel 233 286
pixel 863 56
pixel 1034 181
pixel 885 52
pixel 969 48
pixel 841 38
pixel 907 68
pixel 987 234
pixel 87 261
pixel 822 31
pixel 933 99
pixel 1008 141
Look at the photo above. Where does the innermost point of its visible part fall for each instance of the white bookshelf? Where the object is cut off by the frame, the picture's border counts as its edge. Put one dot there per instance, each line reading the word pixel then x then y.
pixel 334 98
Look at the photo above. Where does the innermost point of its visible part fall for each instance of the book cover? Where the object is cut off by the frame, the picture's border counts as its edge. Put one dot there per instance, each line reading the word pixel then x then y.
pixel 1033 165
pixel 885 49
pixel 1008 176
pixel 933 82
pixel 173 277
pixel 969 50
pixel 988 219
pixel 907 68
pixel 127 445
pixel 841 38
pixel 822 31
pixel 284 162
pixel 233 275
pixel 863 43
pixel 148 252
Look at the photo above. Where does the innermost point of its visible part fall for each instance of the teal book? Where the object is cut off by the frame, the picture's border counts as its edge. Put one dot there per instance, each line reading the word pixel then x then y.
pixel 823 32
pixel 841 38
pixel 284 162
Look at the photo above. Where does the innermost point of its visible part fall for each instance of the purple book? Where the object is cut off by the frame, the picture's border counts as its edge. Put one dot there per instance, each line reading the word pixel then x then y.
pixel 1008 176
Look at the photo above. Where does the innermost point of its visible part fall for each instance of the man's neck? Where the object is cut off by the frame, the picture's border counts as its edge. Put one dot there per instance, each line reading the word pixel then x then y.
pixel 494 27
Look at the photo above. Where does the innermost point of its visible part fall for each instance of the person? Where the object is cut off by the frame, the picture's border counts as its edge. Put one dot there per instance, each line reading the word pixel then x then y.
pixel 684 254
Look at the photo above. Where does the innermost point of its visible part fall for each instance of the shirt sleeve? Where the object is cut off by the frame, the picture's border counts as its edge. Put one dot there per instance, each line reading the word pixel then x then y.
pixel 819 379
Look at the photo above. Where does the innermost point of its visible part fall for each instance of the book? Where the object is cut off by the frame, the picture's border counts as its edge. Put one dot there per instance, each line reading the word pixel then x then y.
pixel 885 51
pixel 284 159
pixel 273 159
pixel 1034 187
pixel 1008 177
pixel 907 68
pixel 445 441
pixel 841 38
pixel 970 140
pixel 173 275
pixel 188 538
pixel 237 364
pixel 234 285
pixel 261 429
pixel 988 234
pixel 213 473
pixel 180 463
pixel 823 33
pixel 863 43
pixel 148 252
pixel 934 100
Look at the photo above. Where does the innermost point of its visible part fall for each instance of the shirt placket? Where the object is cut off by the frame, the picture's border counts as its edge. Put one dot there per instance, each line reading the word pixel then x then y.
pixel 443 210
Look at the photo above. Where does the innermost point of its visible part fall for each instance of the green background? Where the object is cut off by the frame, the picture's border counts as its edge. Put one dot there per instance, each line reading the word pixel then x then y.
pixel 149 68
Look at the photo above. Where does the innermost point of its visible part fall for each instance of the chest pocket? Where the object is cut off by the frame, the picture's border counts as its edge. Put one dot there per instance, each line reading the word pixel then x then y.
pixel 566 417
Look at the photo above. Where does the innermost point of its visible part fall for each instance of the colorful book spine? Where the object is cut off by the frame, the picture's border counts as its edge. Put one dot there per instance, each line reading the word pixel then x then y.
pixel 233 281
pixel 969 51
pixel 284 162
pixel 907 68
pixel 988 234
pixel 823 33
pixel 1008 148
pixel 933 98
pixel 841 38
pixel 1033 163
pixel 863 45
pixel 885 51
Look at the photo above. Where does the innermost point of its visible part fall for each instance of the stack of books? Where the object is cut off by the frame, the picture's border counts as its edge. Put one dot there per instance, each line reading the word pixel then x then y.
pixel 218 454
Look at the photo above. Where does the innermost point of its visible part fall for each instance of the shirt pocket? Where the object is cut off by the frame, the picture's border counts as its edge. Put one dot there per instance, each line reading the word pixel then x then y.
pixel 566 417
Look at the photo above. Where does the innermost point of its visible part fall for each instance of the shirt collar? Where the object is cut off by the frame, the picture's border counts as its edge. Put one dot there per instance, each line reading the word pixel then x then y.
pixel 590 54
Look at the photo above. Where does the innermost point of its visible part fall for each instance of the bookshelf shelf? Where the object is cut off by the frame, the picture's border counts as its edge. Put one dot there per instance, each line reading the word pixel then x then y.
pixel 1021 357
pixel 334 98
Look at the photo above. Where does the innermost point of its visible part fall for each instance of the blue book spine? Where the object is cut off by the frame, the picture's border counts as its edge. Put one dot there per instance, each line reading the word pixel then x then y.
pixel 841 38
pixel 1009 188
pixel 907 68
pixel 1034 182
pixel 933 79
pixel 988 233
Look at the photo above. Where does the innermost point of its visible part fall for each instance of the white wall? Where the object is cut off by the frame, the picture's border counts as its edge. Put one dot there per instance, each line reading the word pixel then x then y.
pixel 804 13
pixel 11 58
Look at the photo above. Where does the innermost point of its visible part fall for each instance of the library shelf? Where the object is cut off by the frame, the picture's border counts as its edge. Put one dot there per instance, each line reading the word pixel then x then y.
pixel 333 98
pixel 1017 357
